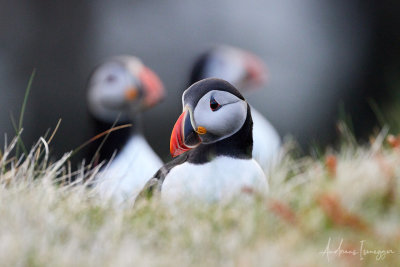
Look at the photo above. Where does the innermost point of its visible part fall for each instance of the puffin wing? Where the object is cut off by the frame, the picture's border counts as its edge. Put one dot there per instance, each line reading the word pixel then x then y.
pixel 153 186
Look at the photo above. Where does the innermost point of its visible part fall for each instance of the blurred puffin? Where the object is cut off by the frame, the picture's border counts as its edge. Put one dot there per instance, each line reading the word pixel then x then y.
pixel 246 72
pixel 213 141
pixel 121 89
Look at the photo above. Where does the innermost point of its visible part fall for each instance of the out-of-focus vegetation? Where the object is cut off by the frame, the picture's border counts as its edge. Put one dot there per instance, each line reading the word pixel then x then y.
pixel 349 196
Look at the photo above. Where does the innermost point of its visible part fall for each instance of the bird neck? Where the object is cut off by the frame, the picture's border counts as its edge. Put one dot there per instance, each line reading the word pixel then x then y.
pixel 115 141
pixel 239 145
pixel 198 69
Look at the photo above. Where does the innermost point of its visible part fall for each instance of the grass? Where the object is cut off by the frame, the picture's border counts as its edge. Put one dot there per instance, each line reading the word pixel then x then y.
pixel 21 116
pixel 350 195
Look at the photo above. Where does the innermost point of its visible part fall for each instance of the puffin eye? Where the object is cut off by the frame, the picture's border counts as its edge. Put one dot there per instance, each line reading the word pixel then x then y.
pixel 111 78
pixel 214 105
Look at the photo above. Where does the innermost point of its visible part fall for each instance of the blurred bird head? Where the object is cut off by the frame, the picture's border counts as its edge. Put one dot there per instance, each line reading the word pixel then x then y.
pixel 241 68
pixel 122 86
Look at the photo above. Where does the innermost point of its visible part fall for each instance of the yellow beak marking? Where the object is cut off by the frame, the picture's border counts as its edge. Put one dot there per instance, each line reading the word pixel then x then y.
pixel 131 94
pixel 201 130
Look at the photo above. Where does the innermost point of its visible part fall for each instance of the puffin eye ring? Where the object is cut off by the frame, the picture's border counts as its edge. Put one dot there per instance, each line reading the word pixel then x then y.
pixel 214 105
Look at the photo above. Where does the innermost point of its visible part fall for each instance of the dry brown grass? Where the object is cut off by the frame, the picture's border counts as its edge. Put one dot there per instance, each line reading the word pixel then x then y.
pixel 351 195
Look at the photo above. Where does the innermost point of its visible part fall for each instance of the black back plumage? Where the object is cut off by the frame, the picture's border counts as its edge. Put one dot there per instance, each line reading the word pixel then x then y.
pixel 197 72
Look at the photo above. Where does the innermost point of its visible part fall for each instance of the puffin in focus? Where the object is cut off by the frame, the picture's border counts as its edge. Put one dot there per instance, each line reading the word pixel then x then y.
pixel 212 144
pixel 247 73
pixel 119 90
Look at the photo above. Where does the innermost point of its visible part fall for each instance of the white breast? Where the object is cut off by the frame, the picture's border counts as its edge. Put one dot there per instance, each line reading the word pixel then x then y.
pixel 126 175
pixel 266 141
pixel 220 179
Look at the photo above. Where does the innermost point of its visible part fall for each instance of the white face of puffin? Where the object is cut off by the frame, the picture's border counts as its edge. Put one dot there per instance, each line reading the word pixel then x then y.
pixel 217 115
pixel 239 67
pixel 226 63
pixel 220 113
pixel 108 91
pixel 122 87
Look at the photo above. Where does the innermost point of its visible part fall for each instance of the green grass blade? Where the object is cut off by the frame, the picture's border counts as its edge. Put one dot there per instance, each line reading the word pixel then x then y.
pixel 21 116
pixel 378 112
pixel 20 142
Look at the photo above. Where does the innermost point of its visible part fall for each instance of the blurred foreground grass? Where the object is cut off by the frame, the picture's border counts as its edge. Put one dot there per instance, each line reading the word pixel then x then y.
pixel 349 197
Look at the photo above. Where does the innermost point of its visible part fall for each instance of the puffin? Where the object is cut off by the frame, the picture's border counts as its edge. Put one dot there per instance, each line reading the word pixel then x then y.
pixel 247 73
pixel 119 90
pixel 211 143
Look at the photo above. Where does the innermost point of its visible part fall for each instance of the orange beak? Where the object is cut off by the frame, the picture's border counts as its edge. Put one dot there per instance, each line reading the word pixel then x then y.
pixel 256 70
pixel 154 89
pixel 183 137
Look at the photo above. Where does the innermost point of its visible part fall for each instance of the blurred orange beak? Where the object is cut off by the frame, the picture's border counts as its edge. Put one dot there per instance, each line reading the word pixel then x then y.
pixel 153 87
pixel 256 70
pixel 184 137
pixel 131 94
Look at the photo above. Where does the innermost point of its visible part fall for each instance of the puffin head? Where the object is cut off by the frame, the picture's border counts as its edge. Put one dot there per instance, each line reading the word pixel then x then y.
pixel 122 86
pixel 243 69
pixel 213 110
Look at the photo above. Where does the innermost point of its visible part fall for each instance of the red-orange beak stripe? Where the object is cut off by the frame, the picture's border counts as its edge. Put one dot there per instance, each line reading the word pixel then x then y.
pixel 177 145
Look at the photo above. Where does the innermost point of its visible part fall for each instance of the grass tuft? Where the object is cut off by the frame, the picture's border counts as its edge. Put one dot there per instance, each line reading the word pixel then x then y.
pixel 349 196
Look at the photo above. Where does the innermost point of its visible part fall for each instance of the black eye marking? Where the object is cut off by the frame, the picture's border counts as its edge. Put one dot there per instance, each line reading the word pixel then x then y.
pixel 214 105
pixel 111 78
